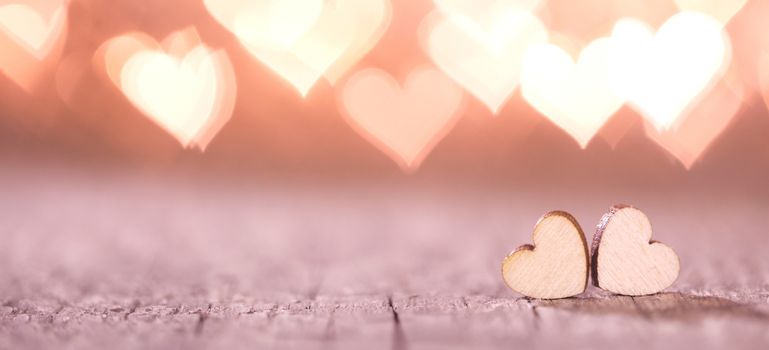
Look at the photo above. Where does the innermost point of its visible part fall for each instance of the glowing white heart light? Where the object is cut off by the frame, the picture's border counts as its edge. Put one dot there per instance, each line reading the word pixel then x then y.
pixel 484 57
pixel 576 96
pixel 182 85
pixel 305 40
pixel 662 75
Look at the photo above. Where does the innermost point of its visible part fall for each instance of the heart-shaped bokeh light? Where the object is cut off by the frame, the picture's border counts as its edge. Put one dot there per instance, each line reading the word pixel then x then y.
pixel 182 85
pixel 304 40
pixel 32 33
pixel 405 122
pixel 484 57
pixel 575 96
pixel 662 75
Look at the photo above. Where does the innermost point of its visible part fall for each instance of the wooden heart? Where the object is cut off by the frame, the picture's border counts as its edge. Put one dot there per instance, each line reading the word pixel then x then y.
pixel 625 260
pixel 555 266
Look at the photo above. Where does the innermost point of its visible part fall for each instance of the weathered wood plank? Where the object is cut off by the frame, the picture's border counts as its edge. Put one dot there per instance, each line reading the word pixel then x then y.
pixel 421 321
pixel 127 266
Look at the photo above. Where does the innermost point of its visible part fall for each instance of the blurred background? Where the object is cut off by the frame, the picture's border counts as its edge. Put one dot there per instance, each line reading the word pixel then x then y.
pixel 72 123
pixel 275 133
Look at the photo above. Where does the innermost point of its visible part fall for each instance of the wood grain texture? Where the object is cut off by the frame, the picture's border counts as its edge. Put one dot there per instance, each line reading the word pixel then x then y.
pixel 127 264
pixel 556 266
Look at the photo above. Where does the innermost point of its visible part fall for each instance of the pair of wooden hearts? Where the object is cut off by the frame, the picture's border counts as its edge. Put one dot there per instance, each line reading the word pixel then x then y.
pixel 624 260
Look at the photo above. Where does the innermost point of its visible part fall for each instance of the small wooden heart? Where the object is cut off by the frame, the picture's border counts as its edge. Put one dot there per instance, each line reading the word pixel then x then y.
pixel 625 260
pixel 556 266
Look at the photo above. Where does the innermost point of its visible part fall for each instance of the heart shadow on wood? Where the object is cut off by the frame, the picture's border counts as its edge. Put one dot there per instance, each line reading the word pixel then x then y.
pixel 671 306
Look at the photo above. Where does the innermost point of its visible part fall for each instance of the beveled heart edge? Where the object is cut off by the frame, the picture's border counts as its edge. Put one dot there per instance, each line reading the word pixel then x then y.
pixel 605 219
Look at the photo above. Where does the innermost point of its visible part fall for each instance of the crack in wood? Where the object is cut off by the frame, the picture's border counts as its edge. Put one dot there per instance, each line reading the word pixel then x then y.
pixel 399 337
pixel 131 309
pixel 272 313
pixel 329 333
pixel 13 304
pixel 536 319
pixel 641 311
pixel 175 311
pixel 202 318
pixel 50 319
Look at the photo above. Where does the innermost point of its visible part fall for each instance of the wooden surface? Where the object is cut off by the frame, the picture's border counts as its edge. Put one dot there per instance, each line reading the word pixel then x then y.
pixel 114 263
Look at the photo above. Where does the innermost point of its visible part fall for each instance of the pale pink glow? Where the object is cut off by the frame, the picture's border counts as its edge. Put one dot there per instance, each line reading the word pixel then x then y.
pixel 697 130
pixel 616 130
pixel 576 96
pixel 722 10
pixel 405 122
pixel 585 20
pixel 32 37
pixel 29 27
pixel 484 57
pixel 751 41
pixel 185 87
pixel 69 75
pixel 302 46
pixel 664 74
